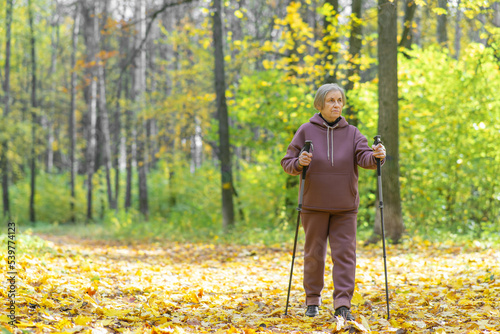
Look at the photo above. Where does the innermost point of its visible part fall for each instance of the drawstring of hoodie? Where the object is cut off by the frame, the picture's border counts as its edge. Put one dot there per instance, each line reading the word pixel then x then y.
pixel 329 148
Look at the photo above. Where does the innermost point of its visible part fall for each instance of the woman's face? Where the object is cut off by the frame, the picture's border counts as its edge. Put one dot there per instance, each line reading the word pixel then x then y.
pixel 333 106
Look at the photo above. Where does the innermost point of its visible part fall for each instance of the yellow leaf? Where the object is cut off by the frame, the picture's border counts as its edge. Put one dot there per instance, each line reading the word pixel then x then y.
pixel 358 326
pixel 238 14
pixel 339 324
pixel 232 330
pixel 365 323
pixel 357 298
pixel 191 296
pixel 82 320
pixel 114 312
pixel 394 322
pixel 250 309
pixel 267 64
pixel 47 303
pixel 90 300
pixel 63 323
pixel 5 318
pixel 464 302
pixel 107 322
pixel 439 11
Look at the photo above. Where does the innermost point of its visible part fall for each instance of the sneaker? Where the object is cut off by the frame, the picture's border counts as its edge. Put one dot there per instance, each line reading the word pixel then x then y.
pixel 312 310
pixel 345 313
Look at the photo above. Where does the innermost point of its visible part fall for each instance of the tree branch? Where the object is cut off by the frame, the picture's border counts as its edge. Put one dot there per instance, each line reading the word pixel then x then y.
pixel 152 16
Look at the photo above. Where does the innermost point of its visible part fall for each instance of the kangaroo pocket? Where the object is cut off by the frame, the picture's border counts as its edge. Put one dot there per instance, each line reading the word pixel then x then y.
pixel 329 191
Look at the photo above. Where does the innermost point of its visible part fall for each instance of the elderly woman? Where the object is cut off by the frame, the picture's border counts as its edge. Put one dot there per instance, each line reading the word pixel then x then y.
pixel 331 199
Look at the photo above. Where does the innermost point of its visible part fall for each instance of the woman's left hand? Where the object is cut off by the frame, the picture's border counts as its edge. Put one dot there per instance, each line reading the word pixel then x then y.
pixel 378 151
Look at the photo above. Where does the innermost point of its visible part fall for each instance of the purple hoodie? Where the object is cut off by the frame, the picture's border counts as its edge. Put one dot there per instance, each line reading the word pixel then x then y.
pixel 332 177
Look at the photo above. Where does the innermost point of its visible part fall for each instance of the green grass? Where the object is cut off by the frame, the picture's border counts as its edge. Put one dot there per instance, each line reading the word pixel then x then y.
pixel 26 243
pixel 129 230
pixel 162 231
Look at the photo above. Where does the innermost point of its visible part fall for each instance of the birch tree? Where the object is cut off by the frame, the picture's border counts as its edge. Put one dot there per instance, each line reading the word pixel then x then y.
pixel 91 24
pixel 139 97
pixel 72 112
pixel 104 118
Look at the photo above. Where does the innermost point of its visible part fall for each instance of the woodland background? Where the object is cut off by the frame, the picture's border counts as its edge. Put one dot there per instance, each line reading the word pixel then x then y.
pixel 118 116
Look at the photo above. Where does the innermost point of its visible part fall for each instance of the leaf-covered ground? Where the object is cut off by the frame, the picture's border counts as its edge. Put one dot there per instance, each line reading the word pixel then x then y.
pixel 98 287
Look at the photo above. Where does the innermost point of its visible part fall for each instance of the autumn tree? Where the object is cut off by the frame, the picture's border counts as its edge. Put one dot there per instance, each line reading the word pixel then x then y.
pixel 222 115
pixel 442 23
pixel 103 109
pixel 139 99
pixel 6 88
pixel 330 24
pixel 34 106
pixel 91 24
pixel 353 70
pixel 72 111
pixel 388 125
pixel 407 31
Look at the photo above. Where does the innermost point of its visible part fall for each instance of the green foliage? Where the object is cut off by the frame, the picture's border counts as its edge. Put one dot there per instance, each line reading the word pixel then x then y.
pixel 449 127
pixel 448 131
pixel 27 243
pixel 52 199
pixel 267 110
pixel 449 112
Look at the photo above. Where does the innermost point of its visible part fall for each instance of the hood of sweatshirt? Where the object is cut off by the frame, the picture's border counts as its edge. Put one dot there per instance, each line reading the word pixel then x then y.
pixel 318 120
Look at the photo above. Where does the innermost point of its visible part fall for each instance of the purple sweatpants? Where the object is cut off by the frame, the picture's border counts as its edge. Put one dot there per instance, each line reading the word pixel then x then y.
pixel 340 229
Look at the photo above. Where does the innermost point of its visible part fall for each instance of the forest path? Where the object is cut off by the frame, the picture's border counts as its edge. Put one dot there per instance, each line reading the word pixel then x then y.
pixel 72 285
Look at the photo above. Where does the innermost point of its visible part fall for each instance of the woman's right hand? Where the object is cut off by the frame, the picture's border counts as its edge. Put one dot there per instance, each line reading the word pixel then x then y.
pixel 305 159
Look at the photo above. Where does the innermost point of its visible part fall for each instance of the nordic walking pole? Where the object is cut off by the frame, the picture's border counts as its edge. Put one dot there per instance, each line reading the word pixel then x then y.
pixel 306 148
pixel 381 206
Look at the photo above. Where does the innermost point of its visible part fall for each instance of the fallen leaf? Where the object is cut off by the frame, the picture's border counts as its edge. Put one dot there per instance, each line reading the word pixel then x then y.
pixel 82 320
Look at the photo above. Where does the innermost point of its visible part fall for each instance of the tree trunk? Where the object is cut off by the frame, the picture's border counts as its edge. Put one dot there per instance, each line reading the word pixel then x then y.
pixel 129 147
pixel 153 142
pixel 442 23
pixel 33 113
pixel 388 125
pixel 47 121
pixel 130 144
pixel 139 95
pixel 354 55
pixel 72 113
pixel 406 36
pixel 103 112
pixel 328 26
pixel 458 31
pixel 196 146
pixel 6 87
pixel 417 36
pixel 117 138
pixel 90 26
pixel 222 112
pixel 496 14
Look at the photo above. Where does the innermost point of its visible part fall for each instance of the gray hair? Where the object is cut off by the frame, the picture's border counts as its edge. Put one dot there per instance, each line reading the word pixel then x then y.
pixel 319 99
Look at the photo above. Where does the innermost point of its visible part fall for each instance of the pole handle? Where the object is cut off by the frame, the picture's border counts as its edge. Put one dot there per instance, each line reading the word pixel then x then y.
pixel 377 141
pixel 306 148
